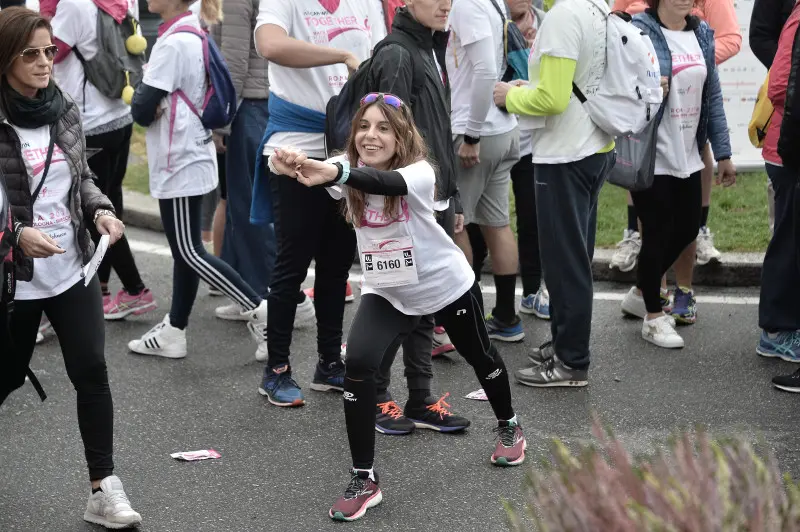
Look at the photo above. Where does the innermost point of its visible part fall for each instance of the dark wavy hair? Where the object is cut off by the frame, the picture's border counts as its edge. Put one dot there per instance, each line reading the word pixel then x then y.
pixel 17 25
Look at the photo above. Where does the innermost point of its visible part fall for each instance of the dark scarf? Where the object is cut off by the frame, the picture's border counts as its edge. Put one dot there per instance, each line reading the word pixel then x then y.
pixel 31 113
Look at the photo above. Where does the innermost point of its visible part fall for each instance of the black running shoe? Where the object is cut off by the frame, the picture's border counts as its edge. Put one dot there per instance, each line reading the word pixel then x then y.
pixel 329 378
pixel 389 419
pixel 788 383
pixel 435 415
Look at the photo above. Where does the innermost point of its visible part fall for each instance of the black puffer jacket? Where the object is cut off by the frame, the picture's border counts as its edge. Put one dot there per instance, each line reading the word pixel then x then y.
pixel 85 197
pixel 393 71
pixel 766 23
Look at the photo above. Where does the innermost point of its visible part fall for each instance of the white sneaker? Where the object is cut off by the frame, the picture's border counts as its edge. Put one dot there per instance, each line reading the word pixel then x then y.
pixel 110 506
pixel 627 252
pixel 163 340
pixel 305 313
pixel 633 304
pixel 232 312
pixel 258 315
pixel 45 330
pixel 706 252
pixel 661 332
pixel 259 333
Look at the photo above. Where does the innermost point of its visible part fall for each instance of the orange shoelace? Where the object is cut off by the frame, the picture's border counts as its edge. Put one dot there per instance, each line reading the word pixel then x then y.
pixel 440 407
pixel 391 409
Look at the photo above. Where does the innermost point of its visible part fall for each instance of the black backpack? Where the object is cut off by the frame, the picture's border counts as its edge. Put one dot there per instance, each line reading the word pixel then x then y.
pixel 341 109
pixel 114 67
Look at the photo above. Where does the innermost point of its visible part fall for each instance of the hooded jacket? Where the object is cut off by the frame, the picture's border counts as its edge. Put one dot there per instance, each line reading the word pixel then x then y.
pixel 85 197
pixel 392 71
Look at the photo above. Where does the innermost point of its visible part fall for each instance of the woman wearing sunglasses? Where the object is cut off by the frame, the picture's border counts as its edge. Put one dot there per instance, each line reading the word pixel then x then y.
pixel 411 269
pixel 53 196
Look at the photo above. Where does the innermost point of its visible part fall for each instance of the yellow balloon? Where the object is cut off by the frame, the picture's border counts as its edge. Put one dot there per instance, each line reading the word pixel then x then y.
pixel 127 94
pixel 136 44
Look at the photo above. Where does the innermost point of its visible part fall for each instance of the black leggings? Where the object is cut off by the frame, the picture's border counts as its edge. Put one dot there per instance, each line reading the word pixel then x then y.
pixel 109 166
pixel 191 262
pixel 379 329
pixel 77 319
pixel 670 213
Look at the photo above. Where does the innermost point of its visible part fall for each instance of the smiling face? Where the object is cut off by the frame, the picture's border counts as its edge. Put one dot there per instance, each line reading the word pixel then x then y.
pixel 376 142
pixel 29 73
pixel 432 14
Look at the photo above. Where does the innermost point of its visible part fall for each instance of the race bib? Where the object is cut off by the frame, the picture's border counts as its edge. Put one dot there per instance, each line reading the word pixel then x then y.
pixel 390 262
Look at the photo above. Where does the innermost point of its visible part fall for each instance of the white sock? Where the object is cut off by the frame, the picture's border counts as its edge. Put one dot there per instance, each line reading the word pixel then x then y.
pixel 370 471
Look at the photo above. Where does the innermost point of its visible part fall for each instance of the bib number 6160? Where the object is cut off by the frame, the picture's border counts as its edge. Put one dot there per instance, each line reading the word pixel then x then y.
pixel 388 264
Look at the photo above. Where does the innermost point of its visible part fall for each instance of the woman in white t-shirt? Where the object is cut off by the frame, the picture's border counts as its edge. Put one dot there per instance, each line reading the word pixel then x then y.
pixel 183 167
pixel 108 125
pixel 53 199
pixel 411 269
pixel 670 210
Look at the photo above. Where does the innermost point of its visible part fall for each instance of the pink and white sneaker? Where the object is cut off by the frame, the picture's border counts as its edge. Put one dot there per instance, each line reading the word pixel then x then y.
pixel 124 305
pixel 441 342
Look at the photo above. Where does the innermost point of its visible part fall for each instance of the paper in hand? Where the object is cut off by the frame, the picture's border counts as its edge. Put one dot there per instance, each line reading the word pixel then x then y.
pixel 90 269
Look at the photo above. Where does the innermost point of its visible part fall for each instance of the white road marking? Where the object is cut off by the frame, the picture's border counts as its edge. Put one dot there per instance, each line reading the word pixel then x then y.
pixel 164 251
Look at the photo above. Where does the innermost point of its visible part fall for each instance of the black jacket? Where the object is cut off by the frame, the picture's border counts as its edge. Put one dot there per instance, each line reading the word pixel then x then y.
pixel 766 23
pixel 392 71
pixel 85 197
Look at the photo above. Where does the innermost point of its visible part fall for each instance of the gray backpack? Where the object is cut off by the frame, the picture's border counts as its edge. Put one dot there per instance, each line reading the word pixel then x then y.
pixel 114 67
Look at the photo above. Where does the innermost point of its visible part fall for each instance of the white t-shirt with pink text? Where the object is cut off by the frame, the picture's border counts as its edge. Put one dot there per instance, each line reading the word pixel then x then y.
pixel 442 271
pixel 677 153
pixel 54 275
pixel 352 25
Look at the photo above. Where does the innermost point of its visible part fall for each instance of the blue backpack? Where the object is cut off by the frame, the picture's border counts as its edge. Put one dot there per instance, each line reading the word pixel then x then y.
pixel 219 104
pixel 515 49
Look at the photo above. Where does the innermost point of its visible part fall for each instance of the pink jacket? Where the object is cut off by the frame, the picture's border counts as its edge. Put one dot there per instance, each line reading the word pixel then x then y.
pixel 719 14
pixel 778 81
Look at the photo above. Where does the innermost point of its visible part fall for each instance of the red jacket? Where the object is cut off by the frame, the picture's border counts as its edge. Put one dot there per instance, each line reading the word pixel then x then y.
pixel 778 81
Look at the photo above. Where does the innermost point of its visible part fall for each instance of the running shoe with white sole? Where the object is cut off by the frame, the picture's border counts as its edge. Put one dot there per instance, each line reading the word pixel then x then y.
pixel 784 345
pixel 163 340
pixel 329 378
pixel 348 294
pixel 627 252
pixel 505 332
pixel 125 304
pixel 110 506
pixel 435 415
pixel 362 493
pixel 511 444
pixel 633 303
pixel 684 306
pixel 661 332
pixel 305 315
pixel 390 419
pixel 706 252
pixel 552 373
pixel 231 312
pixel 788 383
pixel 45 330
pixel 537 304
pixel 280 388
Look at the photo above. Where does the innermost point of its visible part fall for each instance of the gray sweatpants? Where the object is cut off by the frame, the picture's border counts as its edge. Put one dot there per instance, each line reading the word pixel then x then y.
pixel 566 209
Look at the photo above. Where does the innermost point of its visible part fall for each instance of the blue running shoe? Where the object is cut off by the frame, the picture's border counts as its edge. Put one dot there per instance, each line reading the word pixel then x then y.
pixel 537 304
pixel 504 332
pixel 280 388
pixel 329 378
pixel 684 306
pixel 783 345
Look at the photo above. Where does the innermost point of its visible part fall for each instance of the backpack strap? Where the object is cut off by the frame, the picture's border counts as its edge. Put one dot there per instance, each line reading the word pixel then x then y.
pixel 179 93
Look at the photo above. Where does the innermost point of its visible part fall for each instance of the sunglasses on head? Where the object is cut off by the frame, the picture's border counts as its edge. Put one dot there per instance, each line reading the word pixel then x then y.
pixel 389 99
pixel 29 55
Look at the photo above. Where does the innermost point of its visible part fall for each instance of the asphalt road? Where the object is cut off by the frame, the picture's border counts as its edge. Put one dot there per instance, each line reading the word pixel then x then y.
pixel 281 469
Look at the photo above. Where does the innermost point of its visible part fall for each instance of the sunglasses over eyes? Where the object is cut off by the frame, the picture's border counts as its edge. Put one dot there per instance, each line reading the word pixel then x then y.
pixel 29 55
pixel 389 99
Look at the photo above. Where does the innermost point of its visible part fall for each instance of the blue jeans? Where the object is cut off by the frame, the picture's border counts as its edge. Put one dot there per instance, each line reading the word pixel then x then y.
pixel 249 249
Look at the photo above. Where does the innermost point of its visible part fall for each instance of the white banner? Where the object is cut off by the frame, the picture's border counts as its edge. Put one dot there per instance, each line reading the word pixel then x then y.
pixel 741 77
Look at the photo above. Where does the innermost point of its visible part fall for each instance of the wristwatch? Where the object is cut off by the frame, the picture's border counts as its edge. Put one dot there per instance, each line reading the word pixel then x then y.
pixel 102 212
pixel 471 140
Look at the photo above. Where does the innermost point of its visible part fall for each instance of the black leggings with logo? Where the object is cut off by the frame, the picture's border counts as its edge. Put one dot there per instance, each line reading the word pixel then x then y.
pixel 379 329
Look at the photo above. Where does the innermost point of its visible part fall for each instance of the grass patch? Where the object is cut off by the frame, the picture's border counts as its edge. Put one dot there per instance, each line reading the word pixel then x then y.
pixel 738 218
pixel 739 215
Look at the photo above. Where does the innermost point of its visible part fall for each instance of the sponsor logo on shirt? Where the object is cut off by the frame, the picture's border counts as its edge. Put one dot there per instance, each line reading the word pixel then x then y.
pixel 376 218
